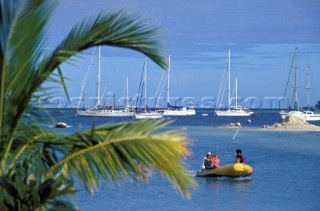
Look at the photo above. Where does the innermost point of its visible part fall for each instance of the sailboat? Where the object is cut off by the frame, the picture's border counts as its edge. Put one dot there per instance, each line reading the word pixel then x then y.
pixel 307 115
pixel 233 110
pixel 173 110
pixel 103 111
pixel 147 114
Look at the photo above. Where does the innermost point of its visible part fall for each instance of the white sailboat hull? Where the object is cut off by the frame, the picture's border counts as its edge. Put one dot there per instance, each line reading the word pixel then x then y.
pixel 151 115
pixel 179 112
pixel 307 115
pixel 234 113
pixel 105 112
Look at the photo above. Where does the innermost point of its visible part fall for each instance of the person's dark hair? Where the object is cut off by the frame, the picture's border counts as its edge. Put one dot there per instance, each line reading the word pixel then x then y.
pixel 238 151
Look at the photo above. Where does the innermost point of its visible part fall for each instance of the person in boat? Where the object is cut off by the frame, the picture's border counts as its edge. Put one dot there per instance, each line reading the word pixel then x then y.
pixel 237 160
pixel 215 161
pixel 241 156
pixel 208 162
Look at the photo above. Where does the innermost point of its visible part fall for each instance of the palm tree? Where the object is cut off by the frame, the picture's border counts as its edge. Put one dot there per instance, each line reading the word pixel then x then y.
pixel 36 165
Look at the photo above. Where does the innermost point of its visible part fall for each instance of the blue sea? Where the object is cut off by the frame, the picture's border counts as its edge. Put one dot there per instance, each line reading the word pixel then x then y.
pixel 285 164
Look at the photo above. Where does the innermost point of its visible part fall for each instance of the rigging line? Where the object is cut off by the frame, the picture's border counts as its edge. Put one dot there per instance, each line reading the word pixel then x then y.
pixel 123 93
pixel 290 65
pixel 141 85
pixel 163 85
pixel 159 84
pixel 161 90
pixel 233 90
pixel 104 91
pixel 221 91
pixel 235 134
pixel 85 77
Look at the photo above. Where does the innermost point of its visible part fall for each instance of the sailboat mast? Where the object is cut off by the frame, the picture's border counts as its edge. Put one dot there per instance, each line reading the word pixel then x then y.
pixel 168 82
pixel 98 79
pixel 127 93
pixel 295 91
pixel 308 86
pixel 236 93
pixel 229 80
pixel 145 85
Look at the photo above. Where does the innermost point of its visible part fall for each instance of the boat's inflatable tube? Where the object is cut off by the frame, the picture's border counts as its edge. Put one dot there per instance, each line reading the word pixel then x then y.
pixel 232 170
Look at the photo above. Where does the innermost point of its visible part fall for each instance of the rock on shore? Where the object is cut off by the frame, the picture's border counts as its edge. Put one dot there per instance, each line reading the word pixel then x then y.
pixel 294 122
pixel 232 125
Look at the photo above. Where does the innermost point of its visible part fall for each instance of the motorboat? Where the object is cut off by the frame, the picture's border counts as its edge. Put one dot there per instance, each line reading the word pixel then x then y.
pixel 61 125
pixel 232 170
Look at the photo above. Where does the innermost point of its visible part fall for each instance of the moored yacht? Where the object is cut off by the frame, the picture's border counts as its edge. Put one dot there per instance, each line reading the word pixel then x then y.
pixel 233 110
pixel 174 110
pixel 104 111
pixel 145 114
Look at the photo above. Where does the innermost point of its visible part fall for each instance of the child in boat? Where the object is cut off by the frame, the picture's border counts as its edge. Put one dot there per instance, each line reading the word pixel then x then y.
pixel 208 161
pixel 215 161
pixel 242 157
pixel 237 160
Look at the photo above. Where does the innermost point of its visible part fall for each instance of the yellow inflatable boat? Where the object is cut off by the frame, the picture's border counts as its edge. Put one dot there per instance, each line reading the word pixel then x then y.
pixel 232 170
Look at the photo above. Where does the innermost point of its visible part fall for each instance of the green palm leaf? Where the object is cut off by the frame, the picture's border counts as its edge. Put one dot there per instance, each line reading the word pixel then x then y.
pixel 28 66
pixel 130 150
pixel 23 50
pixel 32 158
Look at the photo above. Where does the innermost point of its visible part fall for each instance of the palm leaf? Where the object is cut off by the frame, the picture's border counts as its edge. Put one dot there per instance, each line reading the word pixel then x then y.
pixel 28 65
pixel 129 151
pixel 23 52
pixel 115 152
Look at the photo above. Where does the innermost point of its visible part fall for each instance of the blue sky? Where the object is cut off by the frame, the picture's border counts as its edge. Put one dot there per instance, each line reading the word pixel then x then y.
pixel 260 34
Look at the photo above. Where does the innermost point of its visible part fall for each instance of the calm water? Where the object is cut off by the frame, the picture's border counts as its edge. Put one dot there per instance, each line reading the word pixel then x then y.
pixel 286 169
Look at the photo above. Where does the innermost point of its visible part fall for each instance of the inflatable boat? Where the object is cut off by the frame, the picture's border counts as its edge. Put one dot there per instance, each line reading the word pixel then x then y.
pixel 232 170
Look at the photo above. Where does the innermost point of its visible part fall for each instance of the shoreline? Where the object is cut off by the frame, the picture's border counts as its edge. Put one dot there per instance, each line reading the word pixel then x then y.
pixel 295 128
pixel 292 129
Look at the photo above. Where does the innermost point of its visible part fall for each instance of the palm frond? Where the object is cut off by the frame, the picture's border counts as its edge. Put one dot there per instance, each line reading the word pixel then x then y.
pixel 8 10
pixel 34 161
pixel 109 28
pixel 24 51
pixel 130 151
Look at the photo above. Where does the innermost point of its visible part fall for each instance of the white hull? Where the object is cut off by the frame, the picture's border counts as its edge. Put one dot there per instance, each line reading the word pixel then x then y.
pixel 179 112
pixel 234 113
pixel 151 115
pixel 105 112
pixel 307 115
pixel 312 117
